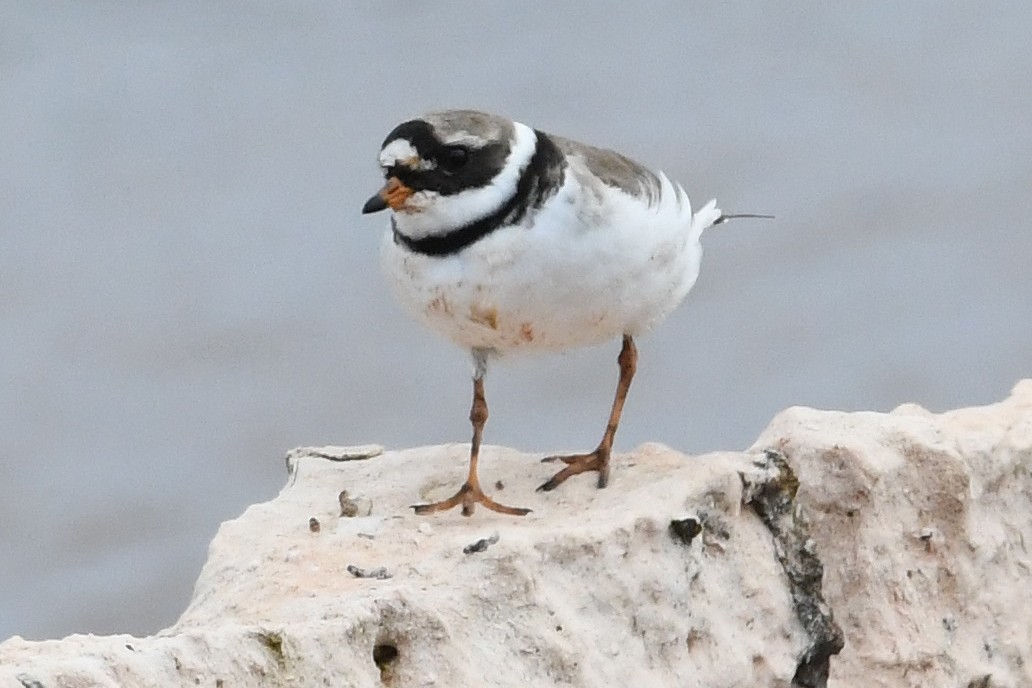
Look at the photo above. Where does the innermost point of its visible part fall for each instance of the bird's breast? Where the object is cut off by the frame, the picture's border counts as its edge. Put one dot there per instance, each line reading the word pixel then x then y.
pixel 573 274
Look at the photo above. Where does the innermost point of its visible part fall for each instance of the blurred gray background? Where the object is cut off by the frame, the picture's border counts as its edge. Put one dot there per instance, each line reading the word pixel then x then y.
pixel 187 288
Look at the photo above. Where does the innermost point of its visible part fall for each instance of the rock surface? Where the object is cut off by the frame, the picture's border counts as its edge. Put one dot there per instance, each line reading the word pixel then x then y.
pixel 901 534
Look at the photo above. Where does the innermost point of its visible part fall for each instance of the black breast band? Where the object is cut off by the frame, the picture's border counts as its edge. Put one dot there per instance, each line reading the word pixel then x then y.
pixel 540 179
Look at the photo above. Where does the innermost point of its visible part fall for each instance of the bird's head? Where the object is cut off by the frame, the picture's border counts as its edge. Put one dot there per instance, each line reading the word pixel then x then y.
pixel 450 168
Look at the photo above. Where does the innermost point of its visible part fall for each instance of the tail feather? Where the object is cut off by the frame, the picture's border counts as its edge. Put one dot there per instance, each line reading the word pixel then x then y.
pixel 724 218
pixel 706 216
pixel 710 215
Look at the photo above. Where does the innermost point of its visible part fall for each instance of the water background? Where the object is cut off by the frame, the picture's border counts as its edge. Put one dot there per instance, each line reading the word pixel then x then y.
pixel 187 288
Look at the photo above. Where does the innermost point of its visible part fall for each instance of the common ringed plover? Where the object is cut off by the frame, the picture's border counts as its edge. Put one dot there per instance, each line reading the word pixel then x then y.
pixel 504 238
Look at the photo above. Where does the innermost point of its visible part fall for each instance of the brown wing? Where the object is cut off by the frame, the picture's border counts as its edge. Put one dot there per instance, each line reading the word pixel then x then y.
pixel 614 169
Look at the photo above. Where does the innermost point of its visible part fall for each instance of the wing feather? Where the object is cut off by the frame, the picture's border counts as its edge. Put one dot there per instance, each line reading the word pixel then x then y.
pixel 614 169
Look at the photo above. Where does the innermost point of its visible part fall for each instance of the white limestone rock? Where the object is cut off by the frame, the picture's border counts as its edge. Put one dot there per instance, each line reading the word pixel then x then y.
pixel 920 519
pixel 686 571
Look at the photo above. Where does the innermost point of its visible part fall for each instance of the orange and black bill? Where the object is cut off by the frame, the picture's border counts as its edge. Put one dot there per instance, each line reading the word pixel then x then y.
pixel 393 195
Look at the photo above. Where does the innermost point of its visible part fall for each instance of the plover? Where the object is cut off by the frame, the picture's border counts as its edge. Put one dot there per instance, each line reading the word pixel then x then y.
pixel 505 239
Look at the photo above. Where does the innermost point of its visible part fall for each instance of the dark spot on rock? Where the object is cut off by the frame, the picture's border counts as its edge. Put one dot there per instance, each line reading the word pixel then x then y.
pixel 385 655
pixel 480 545
pixel 685 529
pixel 313 525
pixel 379 573
pixel 499 485
pixel 715 530
pixel 28 682
pixel 772 498
pixel 981 682
pixel 348 506
pixel 273 642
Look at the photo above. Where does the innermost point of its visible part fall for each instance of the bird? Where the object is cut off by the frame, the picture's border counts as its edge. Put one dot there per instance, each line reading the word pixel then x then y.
pixel 506 239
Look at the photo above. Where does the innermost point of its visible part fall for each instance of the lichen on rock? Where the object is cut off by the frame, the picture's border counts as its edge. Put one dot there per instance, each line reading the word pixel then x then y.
pixel 772 495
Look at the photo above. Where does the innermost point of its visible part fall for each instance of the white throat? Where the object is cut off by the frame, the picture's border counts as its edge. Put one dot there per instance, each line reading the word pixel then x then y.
pixel 434 214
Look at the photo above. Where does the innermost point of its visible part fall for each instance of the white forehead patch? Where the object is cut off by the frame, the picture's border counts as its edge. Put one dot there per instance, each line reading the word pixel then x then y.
pixel 436 214
pixel 396 152
pixel 465 138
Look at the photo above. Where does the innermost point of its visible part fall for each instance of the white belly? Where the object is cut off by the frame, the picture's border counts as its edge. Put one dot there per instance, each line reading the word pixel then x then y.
pixel 577 276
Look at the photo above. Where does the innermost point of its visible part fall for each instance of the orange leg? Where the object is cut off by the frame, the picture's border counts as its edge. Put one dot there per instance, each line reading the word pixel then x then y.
pixel 470 494
pixel 598 460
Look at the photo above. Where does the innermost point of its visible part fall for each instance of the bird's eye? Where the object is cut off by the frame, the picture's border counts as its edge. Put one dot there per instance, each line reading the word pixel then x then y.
pixel 454 158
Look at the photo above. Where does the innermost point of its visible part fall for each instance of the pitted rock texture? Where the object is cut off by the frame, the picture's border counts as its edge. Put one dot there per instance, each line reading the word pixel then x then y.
pixel 674 575
pixel 920 522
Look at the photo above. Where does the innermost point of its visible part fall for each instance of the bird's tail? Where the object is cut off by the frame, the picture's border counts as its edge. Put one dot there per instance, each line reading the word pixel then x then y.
pixel 710 215
pixel 706 216
pixel 724 217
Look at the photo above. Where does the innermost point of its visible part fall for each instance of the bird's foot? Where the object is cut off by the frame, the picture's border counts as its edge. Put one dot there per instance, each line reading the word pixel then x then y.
pixel 468 497
pixel 597 460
